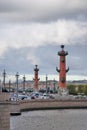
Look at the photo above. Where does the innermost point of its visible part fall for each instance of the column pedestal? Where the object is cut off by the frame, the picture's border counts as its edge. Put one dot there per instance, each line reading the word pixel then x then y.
pixel 63 92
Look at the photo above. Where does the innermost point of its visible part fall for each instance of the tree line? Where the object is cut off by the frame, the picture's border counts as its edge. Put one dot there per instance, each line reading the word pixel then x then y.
pixel 75 89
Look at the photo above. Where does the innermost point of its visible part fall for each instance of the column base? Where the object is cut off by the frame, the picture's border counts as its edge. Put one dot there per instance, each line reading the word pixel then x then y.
pixel 63 92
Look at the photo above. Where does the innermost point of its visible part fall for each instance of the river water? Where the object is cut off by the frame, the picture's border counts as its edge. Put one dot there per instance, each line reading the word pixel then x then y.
pixel 50 120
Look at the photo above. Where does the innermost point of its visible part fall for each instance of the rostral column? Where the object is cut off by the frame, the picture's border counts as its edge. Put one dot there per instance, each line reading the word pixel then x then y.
pixel 36 79
pixel 62 72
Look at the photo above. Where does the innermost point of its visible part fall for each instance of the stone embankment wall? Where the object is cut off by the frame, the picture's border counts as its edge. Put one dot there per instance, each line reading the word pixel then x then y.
pixel 52 104
pixel 15 108
pixel 4 112
pixel 4 116
pixel 4 96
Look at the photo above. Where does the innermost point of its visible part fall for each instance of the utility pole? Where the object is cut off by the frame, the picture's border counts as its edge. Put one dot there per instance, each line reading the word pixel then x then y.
pixel 24 79
pixel 9 85
pixel 17 76
pixel 46 82
pixel 4 75
pixel 54 85
pixel 0 86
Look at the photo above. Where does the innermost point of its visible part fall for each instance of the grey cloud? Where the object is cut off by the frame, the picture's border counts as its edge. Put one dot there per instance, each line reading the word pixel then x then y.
pixel 36 34
pixel 24 10
pixel 8 6
pixel 16 59
pixel 77 59
pixel 31 42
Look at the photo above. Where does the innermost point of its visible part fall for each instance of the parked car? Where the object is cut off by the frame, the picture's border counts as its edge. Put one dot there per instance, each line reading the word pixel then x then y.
pixel 13 97
pixel 22 97
pixel 45 96
pixel 34 95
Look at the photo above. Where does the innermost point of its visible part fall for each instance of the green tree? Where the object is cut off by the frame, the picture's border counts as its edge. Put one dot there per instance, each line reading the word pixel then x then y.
pixel 72 89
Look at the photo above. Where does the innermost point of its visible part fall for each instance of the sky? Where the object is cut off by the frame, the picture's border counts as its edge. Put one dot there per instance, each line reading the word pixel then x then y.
pixel 31 32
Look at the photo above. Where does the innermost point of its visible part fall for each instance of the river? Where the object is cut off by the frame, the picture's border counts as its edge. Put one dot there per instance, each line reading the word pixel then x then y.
pixel 75 119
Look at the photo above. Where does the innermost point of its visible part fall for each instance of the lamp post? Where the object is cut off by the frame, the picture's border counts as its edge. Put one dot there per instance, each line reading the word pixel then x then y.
pixel 9 85
pixel 0 86
pixel 4 75
pixel 17 76
pixel 24 79
pixel 54 85
pixel 46 83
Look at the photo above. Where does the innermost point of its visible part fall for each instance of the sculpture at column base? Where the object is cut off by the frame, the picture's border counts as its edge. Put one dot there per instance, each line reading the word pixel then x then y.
pixel 63 92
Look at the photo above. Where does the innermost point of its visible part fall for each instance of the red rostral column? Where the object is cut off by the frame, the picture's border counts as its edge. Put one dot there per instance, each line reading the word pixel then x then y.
pixel 36 79
pixel 62 72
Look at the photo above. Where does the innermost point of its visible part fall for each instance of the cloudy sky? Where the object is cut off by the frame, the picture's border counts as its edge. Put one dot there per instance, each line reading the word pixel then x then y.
pixel 31 32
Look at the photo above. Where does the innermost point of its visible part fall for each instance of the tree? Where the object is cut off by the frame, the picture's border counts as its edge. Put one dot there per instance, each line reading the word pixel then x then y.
pixel 72 89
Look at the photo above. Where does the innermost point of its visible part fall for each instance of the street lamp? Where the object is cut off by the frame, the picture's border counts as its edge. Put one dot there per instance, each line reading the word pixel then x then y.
pixel 54 85
pixel 9 85
pixel 17 76
pixel 24 79
pixel 4 75
pixel 0 86
pixel 46 83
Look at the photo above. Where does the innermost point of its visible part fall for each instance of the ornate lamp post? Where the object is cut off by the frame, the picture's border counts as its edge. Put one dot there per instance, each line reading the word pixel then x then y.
pixel 9 85
pixel 17 76
pixel 4 76
pixel 46 83
pixel 24 79
pixel 54 85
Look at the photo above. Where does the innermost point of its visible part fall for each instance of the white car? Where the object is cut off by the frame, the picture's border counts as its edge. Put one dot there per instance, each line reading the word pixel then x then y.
pixel 45 96
pixel 23 97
